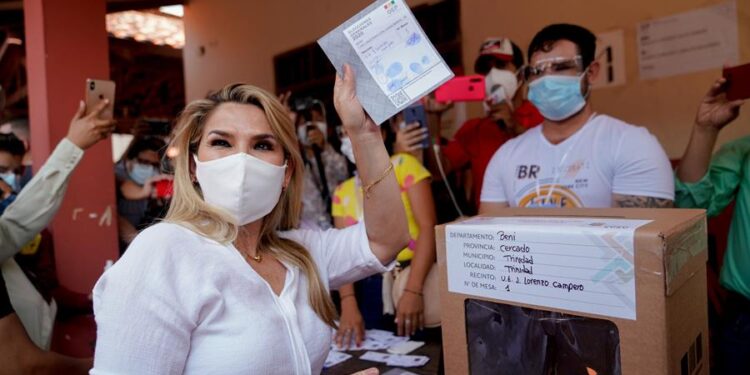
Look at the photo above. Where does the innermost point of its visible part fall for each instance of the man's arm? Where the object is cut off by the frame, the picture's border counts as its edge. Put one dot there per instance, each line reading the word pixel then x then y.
pixel 38 202
pixel 637 201
pixel 714 113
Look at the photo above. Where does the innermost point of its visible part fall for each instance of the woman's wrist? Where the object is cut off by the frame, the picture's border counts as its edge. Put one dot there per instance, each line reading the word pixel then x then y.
pixel 349 303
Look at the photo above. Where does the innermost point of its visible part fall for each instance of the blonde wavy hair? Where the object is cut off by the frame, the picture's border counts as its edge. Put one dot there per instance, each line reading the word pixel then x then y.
pixel 190 210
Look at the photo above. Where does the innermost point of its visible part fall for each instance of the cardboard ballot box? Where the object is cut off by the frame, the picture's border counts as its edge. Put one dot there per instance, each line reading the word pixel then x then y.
pixel 575 291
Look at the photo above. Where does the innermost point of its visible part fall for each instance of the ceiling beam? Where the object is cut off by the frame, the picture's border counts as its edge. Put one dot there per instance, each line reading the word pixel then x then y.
pixel 112 5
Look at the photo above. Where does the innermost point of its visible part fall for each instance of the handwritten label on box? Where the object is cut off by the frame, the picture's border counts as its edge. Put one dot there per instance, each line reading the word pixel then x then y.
pixel 577 264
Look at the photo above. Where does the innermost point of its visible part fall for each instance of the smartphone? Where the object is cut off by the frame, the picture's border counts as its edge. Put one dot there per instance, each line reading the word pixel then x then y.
pixel 163 189
pixel 98 90
pixel 738 82
pixel 416 113
pixel 462 89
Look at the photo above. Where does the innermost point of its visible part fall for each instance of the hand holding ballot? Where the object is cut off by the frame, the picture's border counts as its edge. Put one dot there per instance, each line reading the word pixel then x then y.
pixel 353 116
pixel 395 63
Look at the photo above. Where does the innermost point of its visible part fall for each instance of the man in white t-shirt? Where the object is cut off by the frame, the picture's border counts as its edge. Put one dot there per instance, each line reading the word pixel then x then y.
pixel 577 158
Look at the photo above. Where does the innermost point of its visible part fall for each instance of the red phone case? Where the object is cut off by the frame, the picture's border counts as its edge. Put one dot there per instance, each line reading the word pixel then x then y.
pixel 738 82
pixel 163 188
pixel 462 89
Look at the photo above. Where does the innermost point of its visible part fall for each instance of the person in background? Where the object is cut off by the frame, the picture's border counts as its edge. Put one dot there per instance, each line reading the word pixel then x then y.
pixel 19 355
pixel 363 304
pixel 20 128
pixel 324 167
pixel 226 284
pixel 506 115
pixel 12 151
pixel 576 158
pixel 136 173
pixel 713 184
pixel 32 211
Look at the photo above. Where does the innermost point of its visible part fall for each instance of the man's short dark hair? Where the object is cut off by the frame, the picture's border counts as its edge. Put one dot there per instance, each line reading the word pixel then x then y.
pixel 584 39
pixel 12 145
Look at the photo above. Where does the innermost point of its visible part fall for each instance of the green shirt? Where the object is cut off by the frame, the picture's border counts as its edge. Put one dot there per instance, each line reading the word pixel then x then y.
pixel 728 179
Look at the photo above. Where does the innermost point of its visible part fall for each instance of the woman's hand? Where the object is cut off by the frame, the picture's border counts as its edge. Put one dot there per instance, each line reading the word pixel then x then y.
pixel 409 314
pixel 351 325
pixel 409 139
pixel 353 116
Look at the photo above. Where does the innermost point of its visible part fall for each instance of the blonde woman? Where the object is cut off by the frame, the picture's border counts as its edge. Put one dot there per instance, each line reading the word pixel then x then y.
pixel 227 285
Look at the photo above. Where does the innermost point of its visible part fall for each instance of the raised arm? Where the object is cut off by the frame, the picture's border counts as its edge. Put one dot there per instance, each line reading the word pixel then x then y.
pixel 38 202
pixel 714 112
pixel 385 220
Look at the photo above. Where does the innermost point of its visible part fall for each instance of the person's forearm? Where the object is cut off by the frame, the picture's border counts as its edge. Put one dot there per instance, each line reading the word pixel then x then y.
pixel 424 258
pixel 697 157
pixel 385 219
pixel 347 297
pixel 38 202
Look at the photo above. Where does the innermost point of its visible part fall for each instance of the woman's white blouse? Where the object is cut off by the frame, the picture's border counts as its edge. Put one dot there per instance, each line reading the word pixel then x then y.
pixel 177 302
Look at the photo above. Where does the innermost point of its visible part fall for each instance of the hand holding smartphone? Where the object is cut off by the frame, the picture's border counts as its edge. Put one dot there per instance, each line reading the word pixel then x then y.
pixel 96 91
pixel 416 113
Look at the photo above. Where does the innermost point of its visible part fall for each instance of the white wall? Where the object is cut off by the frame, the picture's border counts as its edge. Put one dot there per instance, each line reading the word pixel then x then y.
pixel 241 37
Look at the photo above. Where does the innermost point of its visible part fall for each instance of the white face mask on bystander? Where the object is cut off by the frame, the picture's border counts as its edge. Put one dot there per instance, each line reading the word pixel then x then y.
pixel 243 185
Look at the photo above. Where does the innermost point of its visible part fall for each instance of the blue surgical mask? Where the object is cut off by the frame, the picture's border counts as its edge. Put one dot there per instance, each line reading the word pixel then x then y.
pixel 141 172
pixel 11 179
pixel 557 97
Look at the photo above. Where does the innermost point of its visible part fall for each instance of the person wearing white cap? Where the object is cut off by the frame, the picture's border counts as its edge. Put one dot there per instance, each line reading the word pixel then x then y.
pixel 506 114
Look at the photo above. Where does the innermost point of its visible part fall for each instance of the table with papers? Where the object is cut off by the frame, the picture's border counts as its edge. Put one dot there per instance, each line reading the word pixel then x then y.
pixel 357 359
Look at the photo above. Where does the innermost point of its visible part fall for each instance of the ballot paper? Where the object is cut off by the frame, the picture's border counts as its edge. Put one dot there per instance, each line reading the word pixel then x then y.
pixel 394 62
pixel 403 360
pixel 334 358
pixel 398 371
pixel 374 340
pixel 396 360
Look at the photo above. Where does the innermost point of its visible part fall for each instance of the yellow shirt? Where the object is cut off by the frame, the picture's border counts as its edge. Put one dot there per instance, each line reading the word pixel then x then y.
pixel 347 198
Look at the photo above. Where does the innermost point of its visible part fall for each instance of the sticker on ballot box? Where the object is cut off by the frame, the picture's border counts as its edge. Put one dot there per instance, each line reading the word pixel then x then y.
pixel 578 264
pixel 394 62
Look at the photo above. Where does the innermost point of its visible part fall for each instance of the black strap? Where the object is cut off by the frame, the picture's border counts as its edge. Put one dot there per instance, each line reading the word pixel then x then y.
pixel 325 193
pixel 5 307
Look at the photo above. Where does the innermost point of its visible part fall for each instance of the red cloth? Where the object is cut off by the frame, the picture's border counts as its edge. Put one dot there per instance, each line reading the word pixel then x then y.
pixel 478 140
pixel 473 146
pixel 527 115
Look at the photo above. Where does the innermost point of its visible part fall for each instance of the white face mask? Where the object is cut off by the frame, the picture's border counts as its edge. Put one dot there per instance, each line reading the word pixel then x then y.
pixel 346 149
pixel 245 186
pixel 302 130
pixel 500 86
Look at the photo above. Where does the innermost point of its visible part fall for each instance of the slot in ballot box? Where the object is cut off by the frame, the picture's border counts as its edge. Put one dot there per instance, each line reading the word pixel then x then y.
pixel 575 291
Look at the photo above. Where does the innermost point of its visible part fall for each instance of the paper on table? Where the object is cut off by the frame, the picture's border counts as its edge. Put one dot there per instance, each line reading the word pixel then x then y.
pixel 376 357
pixel 578 264
pixel 394 62
pixel 407 360
pixel 374 340
pixel 334 358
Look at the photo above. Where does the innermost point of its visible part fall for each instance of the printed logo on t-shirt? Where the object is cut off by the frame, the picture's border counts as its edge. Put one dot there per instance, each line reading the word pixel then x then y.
pixel 527 171
pixel 548 195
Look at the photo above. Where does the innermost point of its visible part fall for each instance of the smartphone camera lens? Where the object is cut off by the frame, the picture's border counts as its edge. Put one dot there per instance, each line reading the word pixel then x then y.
pixel 92 86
